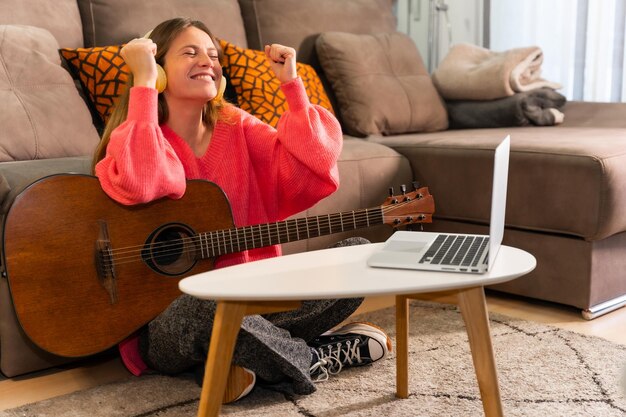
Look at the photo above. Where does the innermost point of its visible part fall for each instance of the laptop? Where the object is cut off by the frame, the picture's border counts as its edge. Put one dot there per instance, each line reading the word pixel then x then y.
pixel 452 252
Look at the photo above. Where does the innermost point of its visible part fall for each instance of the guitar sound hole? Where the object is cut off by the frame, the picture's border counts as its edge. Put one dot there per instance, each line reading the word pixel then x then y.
pixel 171 249
pixel 167 248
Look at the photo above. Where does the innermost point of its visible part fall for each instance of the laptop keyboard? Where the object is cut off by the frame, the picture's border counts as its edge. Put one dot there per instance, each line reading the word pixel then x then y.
pixel 456 250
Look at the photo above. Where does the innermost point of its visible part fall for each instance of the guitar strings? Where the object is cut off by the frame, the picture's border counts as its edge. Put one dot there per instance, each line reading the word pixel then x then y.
pixel 174 242
pixel 358 216
pixel 173 246
pixel 115 258
pixel 189 244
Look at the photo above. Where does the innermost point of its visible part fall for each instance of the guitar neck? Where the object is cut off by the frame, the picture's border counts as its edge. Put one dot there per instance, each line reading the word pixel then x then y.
pixel 222 242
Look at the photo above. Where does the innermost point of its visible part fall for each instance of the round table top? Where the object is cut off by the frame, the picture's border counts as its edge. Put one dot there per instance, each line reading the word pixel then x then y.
pixel 341 273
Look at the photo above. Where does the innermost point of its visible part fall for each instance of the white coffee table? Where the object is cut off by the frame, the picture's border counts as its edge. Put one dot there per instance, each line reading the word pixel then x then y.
pixel 279 284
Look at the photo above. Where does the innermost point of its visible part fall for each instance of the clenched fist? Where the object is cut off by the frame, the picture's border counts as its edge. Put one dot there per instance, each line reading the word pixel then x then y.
pixel 282 60
pixel 139 56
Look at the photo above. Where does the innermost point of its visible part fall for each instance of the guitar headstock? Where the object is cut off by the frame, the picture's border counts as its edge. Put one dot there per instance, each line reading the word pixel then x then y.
pixel 412 207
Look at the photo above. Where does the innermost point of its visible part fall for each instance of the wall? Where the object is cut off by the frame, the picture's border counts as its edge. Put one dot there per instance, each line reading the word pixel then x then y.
pixel 464 22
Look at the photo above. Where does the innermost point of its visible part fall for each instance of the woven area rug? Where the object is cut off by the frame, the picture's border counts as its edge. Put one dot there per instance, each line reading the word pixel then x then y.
pixel 543 371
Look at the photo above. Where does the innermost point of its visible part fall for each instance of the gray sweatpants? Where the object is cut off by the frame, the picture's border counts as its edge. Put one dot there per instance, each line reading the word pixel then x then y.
pixel 274 346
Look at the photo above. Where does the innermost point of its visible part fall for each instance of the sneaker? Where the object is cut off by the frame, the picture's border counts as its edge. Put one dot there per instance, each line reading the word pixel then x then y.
pixel 355 344
pixel 239 384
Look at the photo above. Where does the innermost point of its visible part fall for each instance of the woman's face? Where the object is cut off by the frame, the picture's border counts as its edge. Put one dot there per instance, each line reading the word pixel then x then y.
pixel 192 66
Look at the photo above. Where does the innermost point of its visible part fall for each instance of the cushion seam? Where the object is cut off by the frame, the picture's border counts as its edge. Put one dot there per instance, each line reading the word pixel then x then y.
pixel 93 25
pixel 527 151
pixel 6 70
pixel 386 51
pixel 602 197
pixel 17 95
pixel 372 158
pixel 256 20
pixel 30 121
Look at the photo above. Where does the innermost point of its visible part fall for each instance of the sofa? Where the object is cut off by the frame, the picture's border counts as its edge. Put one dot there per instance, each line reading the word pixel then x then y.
pixel 566 183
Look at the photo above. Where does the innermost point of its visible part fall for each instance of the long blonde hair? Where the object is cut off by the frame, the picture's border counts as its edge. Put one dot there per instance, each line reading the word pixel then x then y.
pixel 162 35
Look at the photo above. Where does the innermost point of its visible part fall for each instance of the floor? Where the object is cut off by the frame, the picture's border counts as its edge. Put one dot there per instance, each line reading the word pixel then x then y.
pixel 51 383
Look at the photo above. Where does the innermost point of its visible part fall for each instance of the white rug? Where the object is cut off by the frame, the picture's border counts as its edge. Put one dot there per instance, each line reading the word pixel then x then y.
pixel 543 371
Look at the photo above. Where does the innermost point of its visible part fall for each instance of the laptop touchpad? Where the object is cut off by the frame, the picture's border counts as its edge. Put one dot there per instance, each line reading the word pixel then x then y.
pixel 397 246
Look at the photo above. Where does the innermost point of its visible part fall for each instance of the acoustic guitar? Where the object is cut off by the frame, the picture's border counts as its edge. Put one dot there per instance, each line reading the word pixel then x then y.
pixel 86 272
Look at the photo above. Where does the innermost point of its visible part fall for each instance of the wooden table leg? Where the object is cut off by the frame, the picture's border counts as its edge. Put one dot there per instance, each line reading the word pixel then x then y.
pixel 474 311
pixel 226 325
pixel 402 346
pixel 228 318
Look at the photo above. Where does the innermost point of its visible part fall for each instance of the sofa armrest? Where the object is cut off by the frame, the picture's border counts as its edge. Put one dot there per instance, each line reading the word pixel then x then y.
pixel 17 175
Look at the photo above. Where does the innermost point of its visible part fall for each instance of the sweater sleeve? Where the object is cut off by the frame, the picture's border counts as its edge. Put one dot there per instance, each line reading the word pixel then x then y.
pixel 296 164
pixel 140 164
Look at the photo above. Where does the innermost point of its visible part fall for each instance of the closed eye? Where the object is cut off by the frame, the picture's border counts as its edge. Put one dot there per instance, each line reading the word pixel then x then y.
pixel 194 50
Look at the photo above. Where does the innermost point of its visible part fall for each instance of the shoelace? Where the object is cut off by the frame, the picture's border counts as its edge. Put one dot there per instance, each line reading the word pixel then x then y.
pixel 330 362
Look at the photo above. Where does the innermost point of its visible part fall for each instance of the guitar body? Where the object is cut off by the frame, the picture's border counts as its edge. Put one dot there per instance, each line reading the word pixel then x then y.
pixel 54 234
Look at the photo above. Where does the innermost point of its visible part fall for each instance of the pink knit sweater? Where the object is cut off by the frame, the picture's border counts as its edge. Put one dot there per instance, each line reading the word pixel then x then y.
pixel 267 174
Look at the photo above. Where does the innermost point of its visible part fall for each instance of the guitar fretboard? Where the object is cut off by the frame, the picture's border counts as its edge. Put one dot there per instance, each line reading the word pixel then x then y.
pixel 222 242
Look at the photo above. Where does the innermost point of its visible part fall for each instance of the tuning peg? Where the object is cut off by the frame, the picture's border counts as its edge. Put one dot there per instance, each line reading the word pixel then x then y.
pixel 393 199
pixel 416 185
pixel 403 189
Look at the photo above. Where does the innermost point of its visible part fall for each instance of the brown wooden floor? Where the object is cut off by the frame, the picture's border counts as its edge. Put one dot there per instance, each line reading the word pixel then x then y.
pixel 47 384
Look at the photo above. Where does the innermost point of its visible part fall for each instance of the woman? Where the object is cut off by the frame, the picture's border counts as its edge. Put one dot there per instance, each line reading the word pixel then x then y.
pixel 154 142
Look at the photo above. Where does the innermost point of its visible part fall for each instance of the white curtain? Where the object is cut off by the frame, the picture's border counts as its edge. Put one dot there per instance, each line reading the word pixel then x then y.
pixel 582 42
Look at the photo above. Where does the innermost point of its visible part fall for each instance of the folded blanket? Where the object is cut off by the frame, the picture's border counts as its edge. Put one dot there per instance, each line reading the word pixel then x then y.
pixel 470 72
pixel 536 107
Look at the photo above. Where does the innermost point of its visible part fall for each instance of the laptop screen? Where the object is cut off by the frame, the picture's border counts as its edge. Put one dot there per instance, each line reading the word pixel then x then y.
pixel 498 197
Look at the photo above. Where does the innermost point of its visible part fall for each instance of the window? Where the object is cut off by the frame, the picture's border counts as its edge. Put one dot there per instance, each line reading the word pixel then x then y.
pixel 582 42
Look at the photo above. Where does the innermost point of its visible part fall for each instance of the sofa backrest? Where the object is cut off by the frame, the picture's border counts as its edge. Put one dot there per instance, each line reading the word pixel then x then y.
pixel 76 23
pixel 59 17
pixel 111 22
pixel 297 23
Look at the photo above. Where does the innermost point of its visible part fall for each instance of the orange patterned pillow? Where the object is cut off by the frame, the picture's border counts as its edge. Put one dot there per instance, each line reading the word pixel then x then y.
pixel 102 72
pixel 258 90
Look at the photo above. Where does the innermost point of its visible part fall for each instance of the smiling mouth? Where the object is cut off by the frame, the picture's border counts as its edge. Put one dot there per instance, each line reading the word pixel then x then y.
pixel 203 77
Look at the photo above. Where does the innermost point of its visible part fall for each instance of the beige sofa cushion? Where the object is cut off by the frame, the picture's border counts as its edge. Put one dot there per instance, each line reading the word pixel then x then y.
pixel 562 180
pixel 41 113
pixel 381 84
pixel 111 22
pixel 59 17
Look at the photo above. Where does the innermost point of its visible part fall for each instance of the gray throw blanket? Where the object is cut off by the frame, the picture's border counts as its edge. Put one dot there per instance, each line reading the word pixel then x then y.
pixel 536 107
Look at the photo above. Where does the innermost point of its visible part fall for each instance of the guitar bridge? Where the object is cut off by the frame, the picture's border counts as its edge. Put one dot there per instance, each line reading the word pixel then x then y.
pixel 104 262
